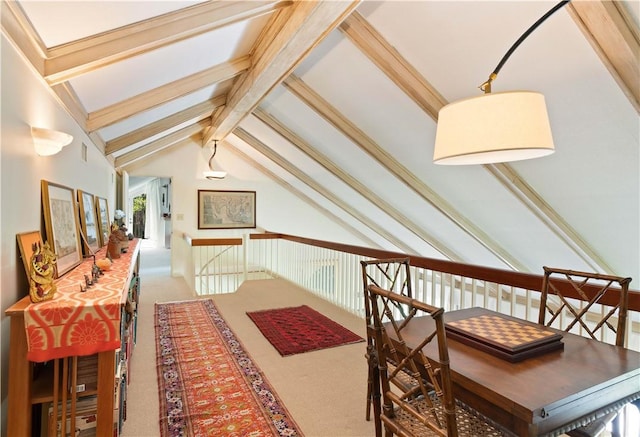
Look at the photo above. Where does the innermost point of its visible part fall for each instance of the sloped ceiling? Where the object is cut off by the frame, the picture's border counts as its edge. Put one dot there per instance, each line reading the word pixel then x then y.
pixel 340 100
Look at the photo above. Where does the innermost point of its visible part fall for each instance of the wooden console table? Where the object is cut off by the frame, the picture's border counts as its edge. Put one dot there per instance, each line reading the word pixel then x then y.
pixel 72 324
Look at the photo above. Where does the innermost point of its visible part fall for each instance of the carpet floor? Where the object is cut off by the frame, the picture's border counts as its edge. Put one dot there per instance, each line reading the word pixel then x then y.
pixel 209 385
pixel 325 391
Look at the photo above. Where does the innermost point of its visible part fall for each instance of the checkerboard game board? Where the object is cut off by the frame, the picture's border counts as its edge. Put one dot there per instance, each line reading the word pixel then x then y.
pixel 504 337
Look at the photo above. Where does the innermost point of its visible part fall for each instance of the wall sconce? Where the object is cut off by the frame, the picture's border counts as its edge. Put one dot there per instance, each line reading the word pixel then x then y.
pixel 49 142
pixel 500 127
pixel 212 174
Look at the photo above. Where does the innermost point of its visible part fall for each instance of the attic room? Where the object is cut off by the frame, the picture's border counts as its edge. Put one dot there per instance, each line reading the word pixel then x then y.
pixel 324 117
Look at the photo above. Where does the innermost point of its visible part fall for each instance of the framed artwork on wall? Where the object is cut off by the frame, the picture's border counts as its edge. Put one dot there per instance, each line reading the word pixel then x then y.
pixel 226 209
pixel 104 223
pixel 61 225
pixel 88 222
pixel 26 240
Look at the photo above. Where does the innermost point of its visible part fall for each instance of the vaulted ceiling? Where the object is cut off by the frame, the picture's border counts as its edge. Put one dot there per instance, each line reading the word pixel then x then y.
pixel 338 101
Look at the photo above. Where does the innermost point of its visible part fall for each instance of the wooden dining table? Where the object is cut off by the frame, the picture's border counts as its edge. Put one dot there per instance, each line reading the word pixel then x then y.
pixel 543 394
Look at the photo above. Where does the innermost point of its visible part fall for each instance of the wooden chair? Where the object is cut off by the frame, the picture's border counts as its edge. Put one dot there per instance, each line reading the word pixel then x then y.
pixel 391 274
pixel 429 407
pixel 580 306
pixel 580 301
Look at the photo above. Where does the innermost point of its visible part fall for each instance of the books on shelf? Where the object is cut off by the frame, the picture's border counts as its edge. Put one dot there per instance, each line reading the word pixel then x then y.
pixel 86 418
pixel 86 373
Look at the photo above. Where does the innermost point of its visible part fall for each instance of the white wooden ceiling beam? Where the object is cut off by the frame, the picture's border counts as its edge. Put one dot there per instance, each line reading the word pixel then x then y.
pixel 295 171
pixel 183 134
pixel 288 38
pixel 157 96
pixel 69 60
pixel 541 209
pixel 615 37
pixel 357 186
pixel 505 174
pixel 384 158
pixel 197 112
pixel 391 62
pixel 302 196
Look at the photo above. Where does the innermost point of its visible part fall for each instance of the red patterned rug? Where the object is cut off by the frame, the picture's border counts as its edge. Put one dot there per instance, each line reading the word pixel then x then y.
pixel 208 383
pixel 301 329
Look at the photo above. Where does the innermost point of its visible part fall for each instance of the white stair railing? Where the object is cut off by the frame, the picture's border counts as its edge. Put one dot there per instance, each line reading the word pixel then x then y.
pixel 335 275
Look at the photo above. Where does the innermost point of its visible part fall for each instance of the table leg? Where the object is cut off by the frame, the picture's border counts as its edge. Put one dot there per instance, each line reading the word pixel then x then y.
pixel 106 393
pixel 20 379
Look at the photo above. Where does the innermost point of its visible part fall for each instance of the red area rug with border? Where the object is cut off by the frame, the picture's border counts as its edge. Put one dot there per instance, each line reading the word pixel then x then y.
pixel 295 330
pixel 208 383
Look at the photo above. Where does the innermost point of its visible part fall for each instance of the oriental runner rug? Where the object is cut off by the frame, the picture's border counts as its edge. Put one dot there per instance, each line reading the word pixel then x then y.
pixel 301 329
pixel 208 383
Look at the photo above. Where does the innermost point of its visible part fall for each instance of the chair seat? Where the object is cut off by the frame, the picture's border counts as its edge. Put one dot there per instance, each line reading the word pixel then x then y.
pixel 470 422
pixel 594 428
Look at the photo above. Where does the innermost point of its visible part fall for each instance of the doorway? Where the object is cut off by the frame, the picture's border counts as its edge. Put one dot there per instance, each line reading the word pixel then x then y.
pixel 139 214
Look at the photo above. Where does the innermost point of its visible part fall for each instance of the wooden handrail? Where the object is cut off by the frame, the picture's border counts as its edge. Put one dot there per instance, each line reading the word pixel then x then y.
pixel 211 241
pixel 527 281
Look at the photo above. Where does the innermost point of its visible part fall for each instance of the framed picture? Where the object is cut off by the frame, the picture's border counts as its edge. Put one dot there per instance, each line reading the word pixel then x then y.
pixel 104 222
pixel 226 209
pixel 61 225
pixel 26 240
pixel 88 223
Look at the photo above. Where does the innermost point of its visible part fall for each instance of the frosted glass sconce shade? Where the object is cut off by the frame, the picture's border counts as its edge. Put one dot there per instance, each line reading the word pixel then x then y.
pixel 49 142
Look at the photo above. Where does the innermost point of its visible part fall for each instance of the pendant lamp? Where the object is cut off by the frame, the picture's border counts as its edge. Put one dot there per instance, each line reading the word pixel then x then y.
pixel 499 127
pixel 212 174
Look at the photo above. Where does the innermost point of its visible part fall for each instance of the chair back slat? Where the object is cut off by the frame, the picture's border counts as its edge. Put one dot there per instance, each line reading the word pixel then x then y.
pixel 392 274
pixel 433 380
pixel 592 288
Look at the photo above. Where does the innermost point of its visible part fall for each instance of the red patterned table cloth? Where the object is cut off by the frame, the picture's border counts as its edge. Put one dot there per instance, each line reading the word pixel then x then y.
pixel 81 323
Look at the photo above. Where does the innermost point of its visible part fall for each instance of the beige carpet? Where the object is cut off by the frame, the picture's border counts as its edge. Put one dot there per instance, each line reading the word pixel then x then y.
pixel 323 390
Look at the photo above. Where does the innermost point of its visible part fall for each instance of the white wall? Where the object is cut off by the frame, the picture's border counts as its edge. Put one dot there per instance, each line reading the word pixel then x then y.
pixel 27 101
pixel 277 210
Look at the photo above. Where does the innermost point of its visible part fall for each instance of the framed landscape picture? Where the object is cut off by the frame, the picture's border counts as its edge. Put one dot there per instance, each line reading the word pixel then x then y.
pixel 61 225
pixel 226 209
pixel 88 222
pixel 104 223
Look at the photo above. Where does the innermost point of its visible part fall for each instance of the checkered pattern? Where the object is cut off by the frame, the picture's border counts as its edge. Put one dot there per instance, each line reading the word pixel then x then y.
pixel 508 333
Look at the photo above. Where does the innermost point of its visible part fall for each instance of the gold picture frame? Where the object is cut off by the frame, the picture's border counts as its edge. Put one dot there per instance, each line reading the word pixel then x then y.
pixel 104 222
pixel 88 222
pixel 26 240
pixel 226 209
pixel 62 226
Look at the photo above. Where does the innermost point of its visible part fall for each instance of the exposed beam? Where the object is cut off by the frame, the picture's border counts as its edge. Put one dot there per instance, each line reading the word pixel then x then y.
pixel 18 28
pixel 536 204
pixel 295 171
pixel 289 37
pixel 85 55
pixel 384 158
pixel 389 61
pixel 503 172
pixel 356 185
pixel 183 134
pixel 157 96
pixel 302 196
pixel 615 38
pixel 197 112
pixel 129 166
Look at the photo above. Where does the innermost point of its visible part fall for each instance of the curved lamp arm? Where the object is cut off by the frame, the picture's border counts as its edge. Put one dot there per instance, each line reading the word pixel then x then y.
pixel 486 86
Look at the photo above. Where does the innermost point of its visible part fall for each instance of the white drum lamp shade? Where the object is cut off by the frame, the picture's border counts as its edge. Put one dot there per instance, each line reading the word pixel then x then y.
pixel 493 128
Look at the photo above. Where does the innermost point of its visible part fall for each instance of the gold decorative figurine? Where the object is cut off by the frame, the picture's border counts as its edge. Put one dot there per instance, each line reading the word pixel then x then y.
pixel 41 273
